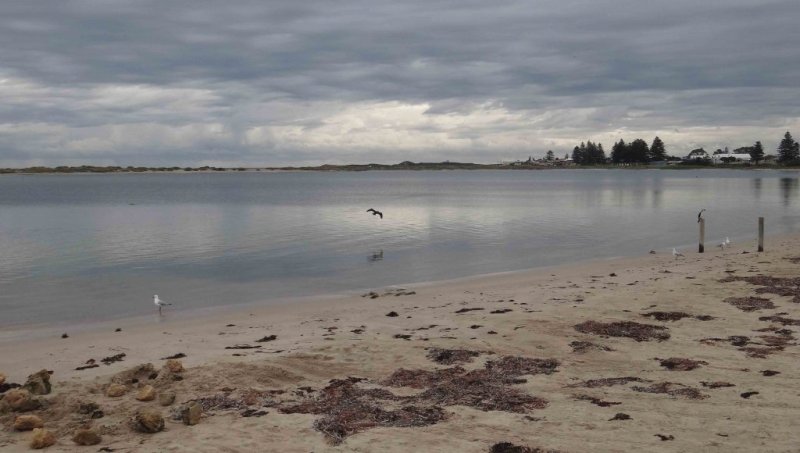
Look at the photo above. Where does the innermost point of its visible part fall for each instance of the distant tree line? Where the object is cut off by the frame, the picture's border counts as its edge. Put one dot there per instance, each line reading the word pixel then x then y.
pixel 635 152
pixel 638 152
pixel 589 154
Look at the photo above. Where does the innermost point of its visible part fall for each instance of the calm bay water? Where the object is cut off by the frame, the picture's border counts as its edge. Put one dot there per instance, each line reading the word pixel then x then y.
pixel 91 247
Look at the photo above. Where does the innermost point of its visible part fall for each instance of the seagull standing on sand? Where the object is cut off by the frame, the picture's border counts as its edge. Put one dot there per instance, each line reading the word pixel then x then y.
pixel 727 241
pixel 700 215
pixel 159 303
pixel 676 253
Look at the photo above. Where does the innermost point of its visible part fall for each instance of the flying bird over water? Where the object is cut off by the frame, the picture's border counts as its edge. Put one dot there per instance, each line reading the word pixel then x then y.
pixel 374 212
pixel 159 303
pixel 700 215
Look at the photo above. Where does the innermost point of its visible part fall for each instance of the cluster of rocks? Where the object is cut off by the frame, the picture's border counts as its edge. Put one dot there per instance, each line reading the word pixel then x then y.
pixel 19 399
pixel 141 381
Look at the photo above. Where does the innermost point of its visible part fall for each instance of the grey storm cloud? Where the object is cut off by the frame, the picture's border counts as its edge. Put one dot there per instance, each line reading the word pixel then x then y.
pixel 282 82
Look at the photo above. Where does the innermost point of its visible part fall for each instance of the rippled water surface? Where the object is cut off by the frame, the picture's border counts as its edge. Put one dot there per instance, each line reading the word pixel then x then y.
pixel 90 247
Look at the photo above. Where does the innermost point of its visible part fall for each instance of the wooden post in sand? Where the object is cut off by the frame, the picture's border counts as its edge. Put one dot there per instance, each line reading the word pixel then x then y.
pixel 760 234
pixel 702 246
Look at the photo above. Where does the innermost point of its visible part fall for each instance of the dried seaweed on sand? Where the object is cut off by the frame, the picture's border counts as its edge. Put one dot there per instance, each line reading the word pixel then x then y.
pixel 451 356
pixel 749 304
pixel 680 364
pixel 608 382
pixel 673 389
pixel 627 329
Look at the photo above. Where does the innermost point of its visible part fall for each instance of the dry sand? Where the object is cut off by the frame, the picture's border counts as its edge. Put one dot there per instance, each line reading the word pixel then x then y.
pixel 549 404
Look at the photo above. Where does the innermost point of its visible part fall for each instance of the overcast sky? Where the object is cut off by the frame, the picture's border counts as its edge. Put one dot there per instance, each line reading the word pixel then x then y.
pixel 269 82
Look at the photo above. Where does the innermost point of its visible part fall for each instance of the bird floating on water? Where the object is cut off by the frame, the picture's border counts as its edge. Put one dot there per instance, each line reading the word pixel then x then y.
pixel 700 215
pixel 374 212
pixel 159 303
pixel 676 253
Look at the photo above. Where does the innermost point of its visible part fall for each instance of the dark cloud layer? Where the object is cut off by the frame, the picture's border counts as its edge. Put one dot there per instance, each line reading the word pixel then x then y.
pixel 295 82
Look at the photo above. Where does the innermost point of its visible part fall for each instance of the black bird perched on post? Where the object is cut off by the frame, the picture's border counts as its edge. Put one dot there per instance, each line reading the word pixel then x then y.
pixel 700 215
pixel 374 212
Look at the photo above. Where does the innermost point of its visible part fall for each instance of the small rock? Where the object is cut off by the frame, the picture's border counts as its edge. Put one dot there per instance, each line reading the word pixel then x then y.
pixel 139 373
pixel 392 314
pixel 88 408
pixel 146 393
pixel 42 438
pixel 191 413
pixel 20 400
pixel 620 416
pixel 63 335
pixel 116 390
pixel 27 422
pixel 174 366
pixel 147 421
pixel 118 330
pixel 166 398
pixel 38 383
pixel 86 436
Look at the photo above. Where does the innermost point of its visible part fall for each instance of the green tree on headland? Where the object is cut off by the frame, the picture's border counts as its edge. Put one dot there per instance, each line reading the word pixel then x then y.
pixel 657 151
pixel 619 153
pixel 788 150
pixel 757 152
pixel 589 154
pixel 639 151
pixel 635 152
pixel 549 156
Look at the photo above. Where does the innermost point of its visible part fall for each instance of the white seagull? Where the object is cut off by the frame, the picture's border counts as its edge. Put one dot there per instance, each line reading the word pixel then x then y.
pixel 676 253
pixel 159 303
pixel 727 241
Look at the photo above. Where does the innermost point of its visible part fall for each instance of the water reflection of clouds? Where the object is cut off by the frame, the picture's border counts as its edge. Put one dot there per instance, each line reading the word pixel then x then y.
pixel 476 223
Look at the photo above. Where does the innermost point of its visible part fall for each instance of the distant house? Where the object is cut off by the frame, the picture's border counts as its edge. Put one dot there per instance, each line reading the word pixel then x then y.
pixel 731 158
pixel 697 154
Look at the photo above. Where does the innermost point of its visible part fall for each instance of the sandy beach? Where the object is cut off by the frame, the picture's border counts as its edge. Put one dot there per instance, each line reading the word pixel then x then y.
pixel 649 353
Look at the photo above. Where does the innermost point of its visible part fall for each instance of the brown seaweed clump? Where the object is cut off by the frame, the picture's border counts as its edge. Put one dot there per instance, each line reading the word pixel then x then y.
pixel 347 409
pixel 716 384
pixel 781 320
pixel 608 382
pixel 451 356
pixel 680 364
pixel 772 285
pixel 749 304
pixel 580 347
pixel 673 389
pixel 667 315
pixel 734 340
pixel 420 379
pixel 760 352
pixel 508 447
pixel 596 401
pixel 627 329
